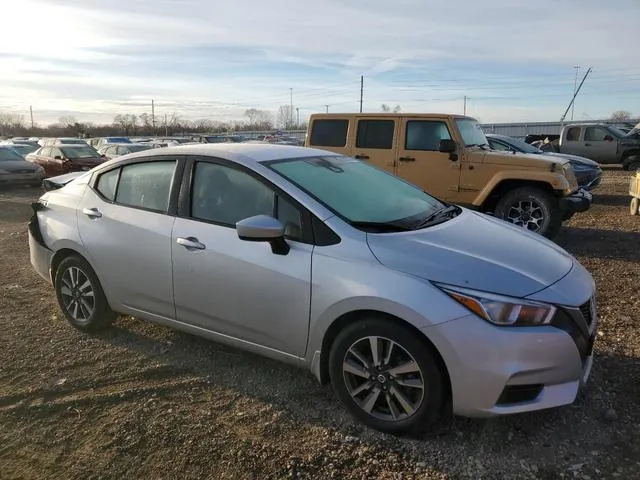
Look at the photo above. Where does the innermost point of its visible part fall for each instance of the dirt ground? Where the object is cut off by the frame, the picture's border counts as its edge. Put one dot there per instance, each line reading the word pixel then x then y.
pixel 144 401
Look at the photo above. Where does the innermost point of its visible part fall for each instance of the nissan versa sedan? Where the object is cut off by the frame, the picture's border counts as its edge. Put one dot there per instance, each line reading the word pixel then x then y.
pixel 408 305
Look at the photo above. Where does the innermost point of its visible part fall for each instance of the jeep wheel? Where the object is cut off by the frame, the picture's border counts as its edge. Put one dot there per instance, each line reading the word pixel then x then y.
pixel 634 207
pixel 531 208
pixel 634 164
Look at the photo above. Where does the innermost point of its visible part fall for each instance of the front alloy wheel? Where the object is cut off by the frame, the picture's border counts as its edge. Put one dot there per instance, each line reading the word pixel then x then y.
pixel 386 375
pixel 531 208
pixel 383 378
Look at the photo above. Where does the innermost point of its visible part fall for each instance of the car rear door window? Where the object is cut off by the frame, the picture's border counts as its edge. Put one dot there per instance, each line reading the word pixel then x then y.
pixel 573 134
pixel 329 133
pixel 146 185
pixel 426 135
pixel 375 134
pixel 106 184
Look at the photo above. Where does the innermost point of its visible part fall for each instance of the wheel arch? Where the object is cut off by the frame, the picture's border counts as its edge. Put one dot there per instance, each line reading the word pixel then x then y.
pixel 60 255
pixel 630 156
pixel 505 186
pixel 355 315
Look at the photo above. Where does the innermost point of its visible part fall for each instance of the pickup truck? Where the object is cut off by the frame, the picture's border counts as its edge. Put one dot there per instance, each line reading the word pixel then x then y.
pixel 602 143
pixel 449 157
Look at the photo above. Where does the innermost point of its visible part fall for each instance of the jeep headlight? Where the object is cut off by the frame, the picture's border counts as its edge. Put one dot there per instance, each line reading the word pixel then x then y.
pixel 501 310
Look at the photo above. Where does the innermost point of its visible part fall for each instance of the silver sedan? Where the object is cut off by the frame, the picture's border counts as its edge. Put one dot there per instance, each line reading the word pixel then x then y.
pixel 406 304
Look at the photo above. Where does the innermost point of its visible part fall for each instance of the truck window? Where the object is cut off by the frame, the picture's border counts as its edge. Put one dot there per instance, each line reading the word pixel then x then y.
pixel 375 134
pixel 329 133
pixel 595 134
pixel 573 134
pixel 425 135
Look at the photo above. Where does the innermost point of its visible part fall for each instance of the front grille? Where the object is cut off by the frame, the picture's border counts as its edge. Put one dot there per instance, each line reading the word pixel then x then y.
pixel 23 171
pixel 519 394
pixel 586 309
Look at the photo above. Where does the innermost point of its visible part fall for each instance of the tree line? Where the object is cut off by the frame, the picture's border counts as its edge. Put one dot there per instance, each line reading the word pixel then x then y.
pixel 144 124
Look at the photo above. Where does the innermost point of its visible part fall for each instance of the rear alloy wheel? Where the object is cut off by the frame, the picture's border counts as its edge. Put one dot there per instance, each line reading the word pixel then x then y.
pixel 634 206
pixel 80 295
pixel 532 209
pixel 386 377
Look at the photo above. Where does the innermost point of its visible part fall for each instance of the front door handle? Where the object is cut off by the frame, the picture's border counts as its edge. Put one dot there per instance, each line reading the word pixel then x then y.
pixel 92 212
pixel 361 157
pixel 190 243
pixel 407 159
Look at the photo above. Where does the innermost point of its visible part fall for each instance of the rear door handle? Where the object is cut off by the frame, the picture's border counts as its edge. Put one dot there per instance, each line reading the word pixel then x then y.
pixel 92 212
pixel 407 159
pixel 362 157
pixel 190 243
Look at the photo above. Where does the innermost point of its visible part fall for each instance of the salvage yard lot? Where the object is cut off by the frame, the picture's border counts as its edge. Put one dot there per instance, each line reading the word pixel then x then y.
pixel 144 401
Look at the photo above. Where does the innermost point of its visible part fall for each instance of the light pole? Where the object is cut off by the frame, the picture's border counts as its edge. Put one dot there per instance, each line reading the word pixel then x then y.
pixel 575 85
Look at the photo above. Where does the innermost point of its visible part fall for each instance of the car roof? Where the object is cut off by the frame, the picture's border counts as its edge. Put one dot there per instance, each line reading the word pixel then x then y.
pixel 417 115
pixel 243 153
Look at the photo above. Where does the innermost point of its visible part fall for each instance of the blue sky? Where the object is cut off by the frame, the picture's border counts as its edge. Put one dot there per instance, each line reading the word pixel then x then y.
pixel 513 59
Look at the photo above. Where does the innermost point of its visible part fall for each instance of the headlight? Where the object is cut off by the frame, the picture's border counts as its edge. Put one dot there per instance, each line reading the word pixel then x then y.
pixel 501 310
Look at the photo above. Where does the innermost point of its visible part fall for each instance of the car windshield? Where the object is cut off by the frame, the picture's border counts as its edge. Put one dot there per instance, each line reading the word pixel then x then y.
pixel 139 148
pixel 24 149
pixel 358 192
pixel 471 131
pixel 521 145
pixel 9 155
pixel 79 152
pixel 72 141
pixel 117 140
pixel 616 131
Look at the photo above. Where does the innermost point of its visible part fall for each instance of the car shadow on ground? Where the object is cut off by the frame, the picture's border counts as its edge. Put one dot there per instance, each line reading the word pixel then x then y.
pixel 598 243
pixel 295 392
pixel 611 200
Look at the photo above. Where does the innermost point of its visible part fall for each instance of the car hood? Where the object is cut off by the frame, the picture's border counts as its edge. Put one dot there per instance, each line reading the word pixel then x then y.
pixel 531 160
pixel 573 159
pixel 16 165
pixel 475 251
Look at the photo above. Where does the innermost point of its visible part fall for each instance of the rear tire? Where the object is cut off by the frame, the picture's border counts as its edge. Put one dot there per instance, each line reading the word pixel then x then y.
pixel 81 297
pixel 386 376
pixel 531 208
pixel 634 165
pixel 634 206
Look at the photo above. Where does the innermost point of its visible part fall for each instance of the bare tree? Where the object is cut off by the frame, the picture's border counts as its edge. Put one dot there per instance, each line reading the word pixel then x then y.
pixel 126 122
pixel 397 109
pixel 284 117
pixel 259 119
pixel 11 123
pixel 620 116
pixel 68 121
pixel 385 108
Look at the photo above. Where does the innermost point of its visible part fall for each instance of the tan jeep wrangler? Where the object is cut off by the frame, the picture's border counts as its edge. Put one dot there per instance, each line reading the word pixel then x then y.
pixel 448 156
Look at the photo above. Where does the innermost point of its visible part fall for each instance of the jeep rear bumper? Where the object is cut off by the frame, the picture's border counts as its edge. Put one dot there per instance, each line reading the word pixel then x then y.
pixel 577 202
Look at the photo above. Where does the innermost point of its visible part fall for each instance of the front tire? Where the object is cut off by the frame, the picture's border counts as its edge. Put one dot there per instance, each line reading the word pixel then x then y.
pixel 386 376
pixel 532 209
pixel 80 295
pixel 634 165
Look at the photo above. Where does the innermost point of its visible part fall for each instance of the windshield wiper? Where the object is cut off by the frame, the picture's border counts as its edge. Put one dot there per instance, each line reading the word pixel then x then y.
pixel 438 216
pixel 381 227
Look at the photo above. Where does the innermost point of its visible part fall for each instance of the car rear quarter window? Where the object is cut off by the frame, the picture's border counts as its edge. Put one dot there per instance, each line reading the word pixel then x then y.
pixel 329 133
pixel 375 134
pixel 146 185
pixel 106 184
pixel 573 134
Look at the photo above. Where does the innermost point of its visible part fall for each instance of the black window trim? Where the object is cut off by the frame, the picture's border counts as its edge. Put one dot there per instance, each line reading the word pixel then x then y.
pixel 426 120
pixel 184 199
pixel 173 191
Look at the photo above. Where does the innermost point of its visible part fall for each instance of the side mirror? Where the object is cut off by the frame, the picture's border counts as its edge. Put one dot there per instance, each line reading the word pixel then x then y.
pixel 448 146
pixel 263 228
pixel 57 157
pixel 608 138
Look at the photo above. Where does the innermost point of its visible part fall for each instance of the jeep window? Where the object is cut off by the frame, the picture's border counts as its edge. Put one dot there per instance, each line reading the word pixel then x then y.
pixel 425 135
pixel 375 134
pixel 573 134
pixel 595 134
pixel 471 132
pixel 329 133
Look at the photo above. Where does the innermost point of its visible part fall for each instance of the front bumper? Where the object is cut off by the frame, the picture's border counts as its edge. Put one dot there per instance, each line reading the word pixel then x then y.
pixel 490 367
pixel 577 202
pixel 22 179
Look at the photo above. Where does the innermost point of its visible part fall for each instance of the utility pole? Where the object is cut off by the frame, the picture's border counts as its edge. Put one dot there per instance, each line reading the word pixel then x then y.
pixel 574 97
pixel 291 106
pixel 166 130
pixel 361 90
pixel 465 105
pixel 575 84
pixel 327 108
pixel 153 117
pixel 31 112
pixel 297 116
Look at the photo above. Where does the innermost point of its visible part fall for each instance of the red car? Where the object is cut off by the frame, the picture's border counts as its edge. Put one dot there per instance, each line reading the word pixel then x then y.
pixel 65 159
